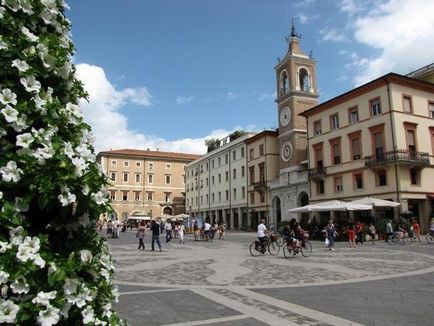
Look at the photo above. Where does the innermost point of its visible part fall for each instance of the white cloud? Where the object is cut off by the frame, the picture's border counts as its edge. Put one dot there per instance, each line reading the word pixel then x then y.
pixel 332 34
pixel 184 99
pixel 306 18
pixel 401 32
pixel 231 95
pixel 110 127
pixel 266 96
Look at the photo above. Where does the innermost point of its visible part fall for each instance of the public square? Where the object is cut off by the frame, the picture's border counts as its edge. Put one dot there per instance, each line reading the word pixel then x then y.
pixel 220 283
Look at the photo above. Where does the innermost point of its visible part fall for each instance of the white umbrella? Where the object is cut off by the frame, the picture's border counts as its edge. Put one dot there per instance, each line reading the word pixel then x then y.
pixel 332 205
pixel 376 202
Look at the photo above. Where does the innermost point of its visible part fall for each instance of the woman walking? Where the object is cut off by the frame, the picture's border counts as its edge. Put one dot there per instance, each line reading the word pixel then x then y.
pixel 141 232
pixel 351 235
pixel 181 231
pixel 331 235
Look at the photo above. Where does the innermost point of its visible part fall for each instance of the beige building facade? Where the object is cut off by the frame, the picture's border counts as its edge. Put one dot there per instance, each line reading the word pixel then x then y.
pixel 144 182
pixel 376 140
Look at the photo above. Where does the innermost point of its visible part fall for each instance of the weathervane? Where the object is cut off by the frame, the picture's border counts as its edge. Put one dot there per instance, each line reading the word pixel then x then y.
pixel 293 32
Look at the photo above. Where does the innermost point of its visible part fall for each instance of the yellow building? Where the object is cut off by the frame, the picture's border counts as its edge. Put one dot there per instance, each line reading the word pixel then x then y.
pixel 144 182
pixel 375 140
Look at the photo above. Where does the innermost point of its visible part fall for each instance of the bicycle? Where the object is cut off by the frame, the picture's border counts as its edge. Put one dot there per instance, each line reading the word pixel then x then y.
pixel 294 246
pixel 257 248
pixel 397 237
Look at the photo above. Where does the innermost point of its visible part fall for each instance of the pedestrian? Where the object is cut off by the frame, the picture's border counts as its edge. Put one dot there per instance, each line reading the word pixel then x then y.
pixel 371 232
pixel 359 235
pixel 155 228
pixel 389 230
pixel 416 230
pixel 168 228
pixel 196 231
pixel 351 235
pixel 141 232
pixel 206 229
pixel 331 235
pixel 221 231
pixel 109 229
pixel 181 232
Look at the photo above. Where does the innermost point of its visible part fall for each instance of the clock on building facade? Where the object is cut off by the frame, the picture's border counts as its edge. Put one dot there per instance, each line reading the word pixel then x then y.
pixel 285 116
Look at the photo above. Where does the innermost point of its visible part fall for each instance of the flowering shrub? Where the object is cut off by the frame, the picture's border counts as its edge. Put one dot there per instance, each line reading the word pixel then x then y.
pixel 54 268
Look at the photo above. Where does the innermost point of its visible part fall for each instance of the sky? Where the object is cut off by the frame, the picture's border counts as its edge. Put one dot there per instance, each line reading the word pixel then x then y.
pixel 168 74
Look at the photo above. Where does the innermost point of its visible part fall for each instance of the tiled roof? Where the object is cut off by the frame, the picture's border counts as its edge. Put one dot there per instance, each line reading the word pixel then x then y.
pixel 146 153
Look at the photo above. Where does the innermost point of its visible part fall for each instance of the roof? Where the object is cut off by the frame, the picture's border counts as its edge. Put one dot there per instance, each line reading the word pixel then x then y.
pixel 376 83
pixel 148 153
pixel 262 134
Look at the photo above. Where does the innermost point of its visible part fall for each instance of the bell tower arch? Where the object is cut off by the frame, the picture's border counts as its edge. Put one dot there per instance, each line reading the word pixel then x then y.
pixel 296 92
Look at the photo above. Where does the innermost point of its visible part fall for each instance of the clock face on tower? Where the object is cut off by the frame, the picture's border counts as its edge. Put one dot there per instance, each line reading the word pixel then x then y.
pixel 286 151
pixel 285 116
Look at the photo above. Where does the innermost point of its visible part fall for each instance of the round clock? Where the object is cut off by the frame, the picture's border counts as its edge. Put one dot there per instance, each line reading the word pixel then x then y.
pixel 286 151
pixel 285 116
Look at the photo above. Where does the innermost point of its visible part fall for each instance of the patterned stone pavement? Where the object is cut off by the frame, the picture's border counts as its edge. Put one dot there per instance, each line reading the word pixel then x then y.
pixel 220 283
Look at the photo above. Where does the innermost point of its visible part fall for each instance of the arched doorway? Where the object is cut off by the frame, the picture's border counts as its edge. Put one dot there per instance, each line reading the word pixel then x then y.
pixel 303 199
pixel 112 215
pixel 167 210
pixel 277 210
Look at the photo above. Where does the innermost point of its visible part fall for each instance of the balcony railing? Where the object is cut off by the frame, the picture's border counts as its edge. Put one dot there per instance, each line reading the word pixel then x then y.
pixel 317 173
pixel 259 185
pixel 400 156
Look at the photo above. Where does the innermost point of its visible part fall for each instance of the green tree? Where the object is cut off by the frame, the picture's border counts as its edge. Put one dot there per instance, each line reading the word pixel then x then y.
pixel 54 267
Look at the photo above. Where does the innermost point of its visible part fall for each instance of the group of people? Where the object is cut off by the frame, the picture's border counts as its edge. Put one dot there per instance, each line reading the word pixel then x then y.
pixel 208 231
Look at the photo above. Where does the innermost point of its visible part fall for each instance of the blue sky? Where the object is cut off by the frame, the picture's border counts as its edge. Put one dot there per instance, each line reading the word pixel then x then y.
pixel 168 74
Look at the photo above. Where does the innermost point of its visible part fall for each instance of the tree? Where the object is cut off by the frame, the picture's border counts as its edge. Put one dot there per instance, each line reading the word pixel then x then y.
pixel 54 267
pixel 212 144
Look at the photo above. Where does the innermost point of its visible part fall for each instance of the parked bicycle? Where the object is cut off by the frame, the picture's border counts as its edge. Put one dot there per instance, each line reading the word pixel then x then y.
pixel 257 248
pixel 294 246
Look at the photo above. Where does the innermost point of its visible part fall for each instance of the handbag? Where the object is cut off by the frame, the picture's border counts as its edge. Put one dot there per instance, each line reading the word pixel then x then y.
pixel 326 242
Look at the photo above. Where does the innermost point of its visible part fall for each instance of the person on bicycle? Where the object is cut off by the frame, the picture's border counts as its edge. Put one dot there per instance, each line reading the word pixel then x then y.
pixel 431 227
pixel 262 234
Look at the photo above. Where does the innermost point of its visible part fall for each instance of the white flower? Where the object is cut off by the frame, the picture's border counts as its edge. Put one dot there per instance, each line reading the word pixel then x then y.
pixel 85 190
pixel 66 197
pixel 10 114
pixel 2 11
pixel 20 124
pixel 30 84
pixel 100 198
pixel 44 153
pixel 48 17
pixel 1 195
pixel 50 4
pixel 4 291
pixel 88 315
pixel 52 268
pixel 10 172
pixel 14 5
pixel 107 310
pixel 26 7
pixel 20 286
pixel 30 36
pixel 20 65
pixel 8 97
pixel 70 286
pixel 18 231
pixel 4 246
pixel 24 140
pixel 43 298
pixel 39 261
pixel 85 256
pixel 8 311
pixel 49 317
pixel 3 44
pixel 20 206
pixel 40 103
pixel 68 150
pixel 4 277
pixel 84 152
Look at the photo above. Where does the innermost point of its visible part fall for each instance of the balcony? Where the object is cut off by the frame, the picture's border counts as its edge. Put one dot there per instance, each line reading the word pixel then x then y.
pixel 398 156
pixel 261 185
pixel 317 173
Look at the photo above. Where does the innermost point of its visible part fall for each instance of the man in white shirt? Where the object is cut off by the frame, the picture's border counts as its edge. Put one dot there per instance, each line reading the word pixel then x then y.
pixel 262 233
pixel 206 230
pixel 168 228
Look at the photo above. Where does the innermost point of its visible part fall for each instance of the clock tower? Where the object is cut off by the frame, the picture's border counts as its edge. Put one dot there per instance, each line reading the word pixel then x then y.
pixel 296 92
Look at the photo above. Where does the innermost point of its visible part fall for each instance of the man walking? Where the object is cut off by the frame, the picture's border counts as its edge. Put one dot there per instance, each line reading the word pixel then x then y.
pixel 168 228
pixel 155 228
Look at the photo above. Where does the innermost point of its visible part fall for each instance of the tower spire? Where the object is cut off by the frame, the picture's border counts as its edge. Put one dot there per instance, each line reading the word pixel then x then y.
pixel 293 32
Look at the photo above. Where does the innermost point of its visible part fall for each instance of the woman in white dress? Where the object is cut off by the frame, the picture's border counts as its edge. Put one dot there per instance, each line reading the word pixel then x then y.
pixel 181 232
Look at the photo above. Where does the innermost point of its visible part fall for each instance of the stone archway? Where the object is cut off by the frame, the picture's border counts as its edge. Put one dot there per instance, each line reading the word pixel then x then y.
pixel 302 200
pixel 168 210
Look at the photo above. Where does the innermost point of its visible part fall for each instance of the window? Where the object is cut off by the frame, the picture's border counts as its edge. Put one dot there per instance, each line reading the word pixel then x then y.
pixel 206 182
pixel 243 171
pixel 378 141
pixel 406 104
pixel 207 166
pixel 201 200
pixel 335 146
pixel 375 107
pixel 137 195
pixel 317 128
pixel 183 179
pixel 212 180
pixel 220 161
pixel 138 178
pixel 251 153
pixel 234 155
pixel 252 174
pixel 414 176
pixel 243 192
pixel 201 168
pixel 358 181
pixel 338 184
pixel 234 174
pixel 201 184
pixel 168 166
pixel 125 177
pixel 242 148
pixel 353 115
pixel 318 155
pixel 113 176
pixel 124 195
pixel 113 194
pixel 355 148
pixel 261 172
pixel 262 196
pixel 227 194
pixel 381 177
pixel 227 176
pixel 220 178
pixel 168 178
pixel 138 164
pixel 334 122
pixel 114 163
pixel 252 197
pixel 212 164
pixel 151 167
pixel 151 178
pixel 213 197
pixel 226 159
pixel 126 163
pixel 261 150
pixel 220 196
pixel 235 193
pixel 206 199
pixel 431 109
pixel 167 196
pixel 320 187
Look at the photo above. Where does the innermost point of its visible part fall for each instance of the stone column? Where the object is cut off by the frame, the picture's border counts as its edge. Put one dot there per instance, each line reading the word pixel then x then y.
pixel 231 219
pixel 224 217
pixel 240 217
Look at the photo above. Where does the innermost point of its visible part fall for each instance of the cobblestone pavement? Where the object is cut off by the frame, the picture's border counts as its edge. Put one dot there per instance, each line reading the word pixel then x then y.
pixel 220 283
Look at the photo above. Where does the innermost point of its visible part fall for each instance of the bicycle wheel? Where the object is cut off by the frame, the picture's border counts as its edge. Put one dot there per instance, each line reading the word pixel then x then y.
pixel 273 248
pixel 429 238
pixel 306 249
pixel 255 249
pixel 280 241
pixel 395 240
pixel 287 252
